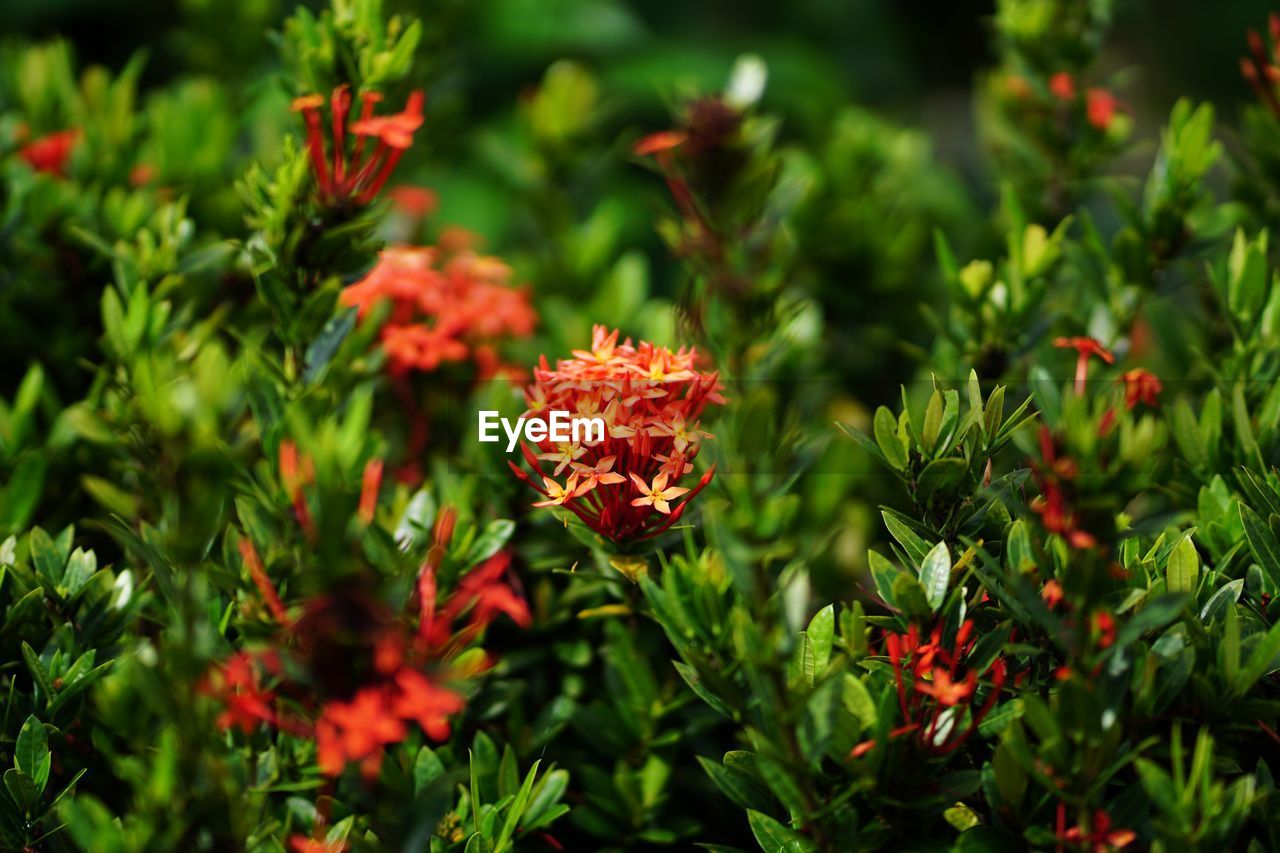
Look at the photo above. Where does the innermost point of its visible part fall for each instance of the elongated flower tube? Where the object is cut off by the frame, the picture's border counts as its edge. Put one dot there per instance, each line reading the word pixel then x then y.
pixel 347 173
pixel 626 485
pixel 937 689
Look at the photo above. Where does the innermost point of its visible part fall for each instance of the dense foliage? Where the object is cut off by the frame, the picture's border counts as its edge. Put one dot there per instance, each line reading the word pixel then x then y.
pixel 922 518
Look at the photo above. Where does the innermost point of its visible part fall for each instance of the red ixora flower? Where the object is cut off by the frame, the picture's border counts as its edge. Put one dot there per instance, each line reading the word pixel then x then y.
pixel 343 176
pixel 297 472
pixel 1100 107
pixel 649 399
pixel 481 595
pixel 445 307
pixel 50 153
pixel 258 573
pixel 370 481
pixel 308 844
pixel 1063 86
pixel 659 143
pixel 1140 386
pixel 1261 68
pixel 1085 348
pixel 1052 506
pixel 936 690
pixel 1098 838
pixel 357 731
pixel 236 683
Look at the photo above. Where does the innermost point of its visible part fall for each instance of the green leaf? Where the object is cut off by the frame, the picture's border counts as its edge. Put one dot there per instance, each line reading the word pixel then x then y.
pixel 1183 570
pixel 23 790
pixel 993 415
pixel 475 794
pixel 19 497
pixel 1227 595
pixel 488 543
pixel 544 803
pixel 1018 551
pixel 691 678
pixel 1244 427
pixel 1011 778
pixel 932 424
pixel 1155 614
pixel 516 809
pixel 774 837
pixel 866 442
pixel 941 475
pixel 427 767
pixel 1262 542
pixel 857 701
pixel 821 633
pixel 414 527
pixel 915 547
pixel 32 746
pixel 911 597
pixel 38 671
pixel 44 553
pixel 1259 662
pixel 883 574
pixel 1186 433
pixel 975 391
pixel 745 791
pixel 886 430
pixel 326 345
pixel 935 573
pixel 1158 786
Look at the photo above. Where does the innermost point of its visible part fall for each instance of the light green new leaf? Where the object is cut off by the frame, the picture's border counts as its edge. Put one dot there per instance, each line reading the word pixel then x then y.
pixel 935 572
pixel 821 633
pixel 886 430
pixel 774 837
pixel 1183 570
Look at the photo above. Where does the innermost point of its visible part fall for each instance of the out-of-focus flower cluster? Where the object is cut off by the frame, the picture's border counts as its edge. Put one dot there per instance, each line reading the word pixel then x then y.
pixel 650 399
pixel 348 670
pixel 447 305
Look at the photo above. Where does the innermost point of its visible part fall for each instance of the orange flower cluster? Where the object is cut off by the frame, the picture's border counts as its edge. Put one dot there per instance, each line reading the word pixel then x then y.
pixel 389 674
pixel 1261 68
pixel 932 691
pixel 445 307
pixel 358 731
pixel 650 399
pixel 343 177
pixel 1100 106
pixel 481 595
pixel 1099 837
pixel 237 685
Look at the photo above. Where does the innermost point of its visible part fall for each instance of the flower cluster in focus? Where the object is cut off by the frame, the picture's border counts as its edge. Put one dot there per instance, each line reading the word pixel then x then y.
pixel 624 487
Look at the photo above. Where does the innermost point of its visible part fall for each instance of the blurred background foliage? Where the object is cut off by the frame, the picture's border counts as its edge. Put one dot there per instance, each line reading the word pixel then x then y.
pixel 532 104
